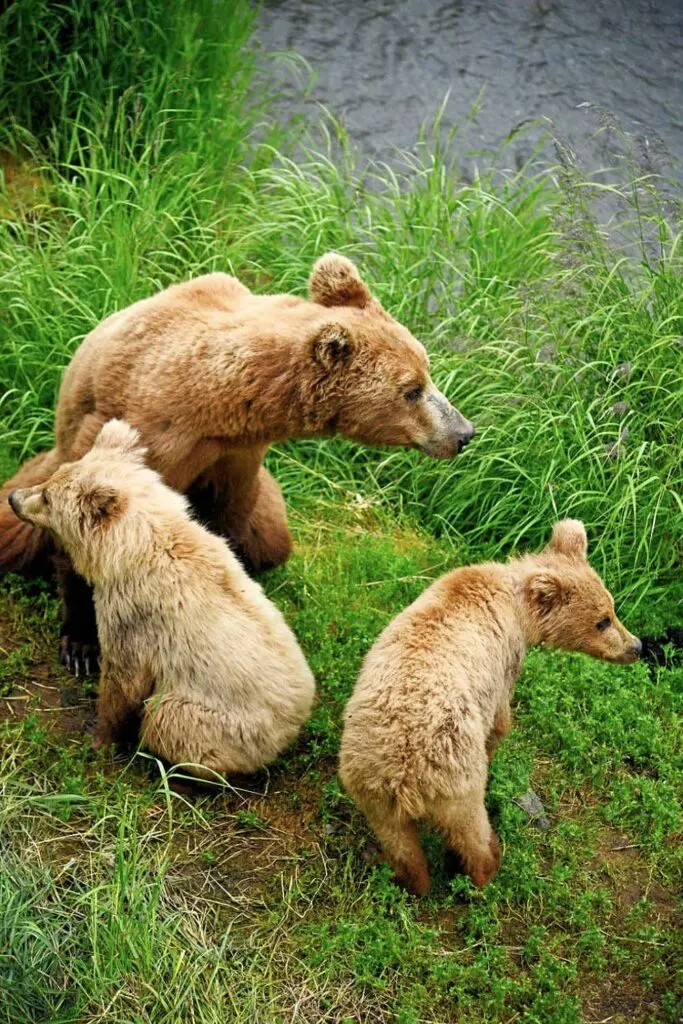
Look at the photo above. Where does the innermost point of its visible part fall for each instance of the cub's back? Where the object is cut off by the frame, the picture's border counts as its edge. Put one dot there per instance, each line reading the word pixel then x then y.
pixel 435 675
pixel 224 634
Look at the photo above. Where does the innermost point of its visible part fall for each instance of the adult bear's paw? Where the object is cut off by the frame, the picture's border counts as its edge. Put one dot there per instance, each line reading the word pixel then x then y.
pixel 80 654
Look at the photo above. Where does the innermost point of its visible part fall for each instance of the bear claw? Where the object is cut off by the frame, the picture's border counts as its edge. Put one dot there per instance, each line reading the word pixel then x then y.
pixel 77 656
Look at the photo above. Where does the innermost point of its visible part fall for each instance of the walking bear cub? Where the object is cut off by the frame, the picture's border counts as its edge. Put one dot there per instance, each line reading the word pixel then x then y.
pixel 433 696
pixel 189 642
pixel 211 375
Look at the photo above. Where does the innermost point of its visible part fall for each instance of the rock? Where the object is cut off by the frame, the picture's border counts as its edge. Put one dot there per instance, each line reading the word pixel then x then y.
pixel 531 805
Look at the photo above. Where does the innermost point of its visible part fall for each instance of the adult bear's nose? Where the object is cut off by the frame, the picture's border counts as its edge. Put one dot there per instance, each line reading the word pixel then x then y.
pixel 466 437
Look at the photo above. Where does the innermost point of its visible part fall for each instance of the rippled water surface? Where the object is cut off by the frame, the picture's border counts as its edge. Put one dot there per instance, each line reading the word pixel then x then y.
pixel 385 67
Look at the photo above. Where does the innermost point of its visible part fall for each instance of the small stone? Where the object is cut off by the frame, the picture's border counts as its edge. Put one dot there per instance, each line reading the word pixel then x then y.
pixel 621 408
pixel 531 805
pixel 69 697
pixel 622 843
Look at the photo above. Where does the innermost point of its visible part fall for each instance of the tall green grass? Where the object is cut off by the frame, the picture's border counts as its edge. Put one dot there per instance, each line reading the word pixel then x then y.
pixel 564 346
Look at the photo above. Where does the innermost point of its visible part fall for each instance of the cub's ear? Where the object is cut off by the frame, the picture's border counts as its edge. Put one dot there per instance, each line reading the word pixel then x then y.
pixel 569 538
pixel 103 505
pixel 545 592
pixel 335 281
pixel 119 436
pixel 332 346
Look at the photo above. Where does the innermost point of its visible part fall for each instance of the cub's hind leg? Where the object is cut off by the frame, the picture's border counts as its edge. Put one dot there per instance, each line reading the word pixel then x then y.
pixel 400 842
pixel 466 827
pixel 206 741
pixel 501 727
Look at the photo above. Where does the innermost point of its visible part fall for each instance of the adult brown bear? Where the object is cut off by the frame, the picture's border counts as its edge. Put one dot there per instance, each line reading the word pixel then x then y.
pixel 210 375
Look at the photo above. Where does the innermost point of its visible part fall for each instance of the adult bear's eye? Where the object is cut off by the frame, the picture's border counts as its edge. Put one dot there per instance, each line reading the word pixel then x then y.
pixel 602 625
pixel 46 498
pixel 414 394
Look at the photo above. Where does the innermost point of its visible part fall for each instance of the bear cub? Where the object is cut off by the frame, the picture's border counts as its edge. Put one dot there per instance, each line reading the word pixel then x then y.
pixel 190 644
pixel 433 696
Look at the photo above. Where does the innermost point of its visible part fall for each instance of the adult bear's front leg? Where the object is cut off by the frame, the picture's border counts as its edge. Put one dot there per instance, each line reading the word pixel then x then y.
pixel 264 540
pixel 79 647
pixel 241 501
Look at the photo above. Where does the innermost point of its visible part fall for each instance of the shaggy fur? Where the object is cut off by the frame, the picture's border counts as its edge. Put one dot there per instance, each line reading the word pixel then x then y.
pixel 188 639
pixel 211 374
pixel 433 696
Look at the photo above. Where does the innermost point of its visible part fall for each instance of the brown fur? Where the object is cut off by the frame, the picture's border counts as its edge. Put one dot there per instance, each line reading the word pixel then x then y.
pixel 189 642
pixel 433 696
pixel 211 375
pixel 20 545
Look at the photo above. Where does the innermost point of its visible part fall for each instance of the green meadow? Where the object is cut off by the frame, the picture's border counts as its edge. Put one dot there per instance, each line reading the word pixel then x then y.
pixel 145 143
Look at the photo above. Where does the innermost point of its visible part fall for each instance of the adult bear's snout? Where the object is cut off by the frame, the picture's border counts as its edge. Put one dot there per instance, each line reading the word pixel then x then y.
pixel 451 431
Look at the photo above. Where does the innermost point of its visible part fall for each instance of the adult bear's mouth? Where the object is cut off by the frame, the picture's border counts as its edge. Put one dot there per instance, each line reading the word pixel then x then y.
pixel 444 449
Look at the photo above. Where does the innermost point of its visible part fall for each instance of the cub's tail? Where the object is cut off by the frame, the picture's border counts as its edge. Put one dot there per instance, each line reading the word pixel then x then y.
pixel 23 548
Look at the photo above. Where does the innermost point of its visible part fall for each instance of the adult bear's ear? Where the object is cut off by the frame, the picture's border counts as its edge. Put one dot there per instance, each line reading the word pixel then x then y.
pixel 569 538
pixel 102 505
pixel 332 346
pixel 335 281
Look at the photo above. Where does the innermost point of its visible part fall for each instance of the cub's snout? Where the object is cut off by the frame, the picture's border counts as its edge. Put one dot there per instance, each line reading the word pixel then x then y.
pixel 28 503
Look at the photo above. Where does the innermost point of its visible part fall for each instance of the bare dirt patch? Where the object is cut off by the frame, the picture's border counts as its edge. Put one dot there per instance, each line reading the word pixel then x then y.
pixel 33 681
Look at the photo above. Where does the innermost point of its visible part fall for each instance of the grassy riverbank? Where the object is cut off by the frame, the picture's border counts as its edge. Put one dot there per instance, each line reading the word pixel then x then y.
pixel 137 151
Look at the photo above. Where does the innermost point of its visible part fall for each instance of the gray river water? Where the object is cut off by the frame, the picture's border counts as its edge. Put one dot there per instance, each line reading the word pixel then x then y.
pixel 385 66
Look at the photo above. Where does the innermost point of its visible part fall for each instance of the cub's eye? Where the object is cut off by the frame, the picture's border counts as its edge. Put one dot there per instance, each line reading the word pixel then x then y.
pixel 602 625
pixel 414 394
pixel 46 498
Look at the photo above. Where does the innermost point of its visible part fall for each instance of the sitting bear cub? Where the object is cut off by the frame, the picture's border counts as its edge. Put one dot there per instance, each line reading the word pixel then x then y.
pixel 187 638
pixel 433 696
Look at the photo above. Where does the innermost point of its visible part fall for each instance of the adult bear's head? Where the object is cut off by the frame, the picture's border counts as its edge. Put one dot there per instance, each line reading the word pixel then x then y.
pixel 372 374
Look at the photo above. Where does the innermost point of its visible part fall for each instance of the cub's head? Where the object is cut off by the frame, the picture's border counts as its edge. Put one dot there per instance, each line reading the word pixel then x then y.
pixel 87 504
pixel 569 604
pixel 372 373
